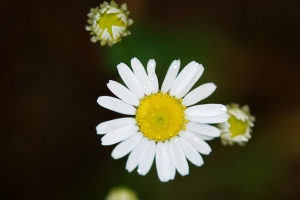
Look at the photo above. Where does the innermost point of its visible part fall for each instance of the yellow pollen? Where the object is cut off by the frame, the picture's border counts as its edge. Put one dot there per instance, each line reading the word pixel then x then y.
pixel 237 126
pixel 108 20
pixel 160 116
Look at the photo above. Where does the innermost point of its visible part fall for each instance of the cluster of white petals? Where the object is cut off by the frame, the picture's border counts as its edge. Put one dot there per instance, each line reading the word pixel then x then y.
pixel 108 23
pixel 238 128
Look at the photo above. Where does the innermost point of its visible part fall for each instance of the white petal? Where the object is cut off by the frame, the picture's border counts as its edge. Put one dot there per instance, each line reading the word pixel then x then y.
pixel 195 78
pixel 109 126
pixel 140 73
pixel 126 146
pixel 206 110
pixel 172 169
pixel 130 80
pixel 179 157
pixel 122 17
pixel 123 93
pixel 166 159
pixel 204 129
pixel 196 142
pixel 184 77
pixel 113 10
pixel 171 75
pixel 147 158
pixel 199 93
pixel 136 155
pixel 152 78
pixel 124 6
pixel 119 135
pixel 190 152
pixel 117 31
pixel 105 35
pixel 204 137
pixel 209 120
pixel 159 160
pixel 116 105
pixel 163 164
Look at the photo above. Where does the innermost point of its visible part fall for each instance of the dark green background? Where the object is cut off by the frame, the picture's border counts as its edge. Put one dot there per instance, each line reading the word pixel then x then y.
pixel 51 75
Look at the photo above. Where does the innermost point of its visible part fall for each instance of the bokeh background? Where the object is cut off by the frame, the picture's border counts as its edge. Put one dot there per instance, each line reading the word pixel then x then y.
pixel 51 75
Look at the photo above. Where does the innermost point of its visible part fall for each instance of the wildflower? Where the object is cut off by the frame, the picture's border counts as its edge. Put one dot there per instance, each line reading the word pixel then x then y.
pixel 238 127
pixel 162 125
pixel 108 23
pixel 121 193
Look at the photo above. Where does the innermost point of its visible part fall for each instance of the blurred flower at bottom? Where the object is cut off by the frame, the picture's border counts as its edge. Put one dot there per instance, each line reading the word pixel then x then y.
pixel 121 193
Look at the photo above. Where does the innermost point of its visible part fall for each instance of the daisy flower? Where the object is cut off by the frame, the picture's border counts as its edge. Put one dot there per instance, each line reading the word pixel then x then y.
pixel 108 23
pixel 163 125
pixel 238 127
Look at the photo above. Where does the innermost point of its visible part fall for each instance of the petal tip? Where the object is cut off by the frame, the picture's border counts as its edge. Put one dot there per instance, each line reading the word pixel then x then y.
pixel 121 65
pixel 134 58
pixel 99 100
pixel 114 156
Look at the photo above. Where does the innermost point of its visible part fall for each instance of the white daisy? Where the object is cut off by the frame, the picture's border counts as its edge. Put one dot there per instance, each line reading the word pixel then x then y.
pixel 108 23
pixel 238 127
pixel 163 124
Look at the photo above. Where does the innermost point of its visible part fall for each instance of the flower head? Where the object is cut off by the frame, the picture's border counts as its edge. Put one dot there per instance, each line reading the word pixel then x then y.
pixel 238 127
pixel 163 125
pixel 121 193
pixel 108 23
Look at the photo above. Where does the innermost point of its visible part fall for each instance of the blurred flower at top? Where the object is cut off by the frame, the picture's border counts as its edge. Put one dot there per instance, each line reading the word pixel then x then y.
pixel 238 127
pixel 121 193
pixel 108 23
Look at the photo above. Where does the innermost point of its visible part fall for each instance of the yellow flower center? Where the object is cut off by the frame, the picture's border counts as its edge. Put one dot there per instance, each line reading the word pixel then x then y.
pixel 106 21
pixel 160 116
pixel 237 126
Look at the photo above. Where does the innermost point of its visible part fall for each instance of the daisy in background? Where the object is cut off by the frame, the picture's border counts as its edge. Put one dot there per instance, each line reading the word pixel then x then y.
pixel 108 23
pixel 163 125
pixel 238 127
